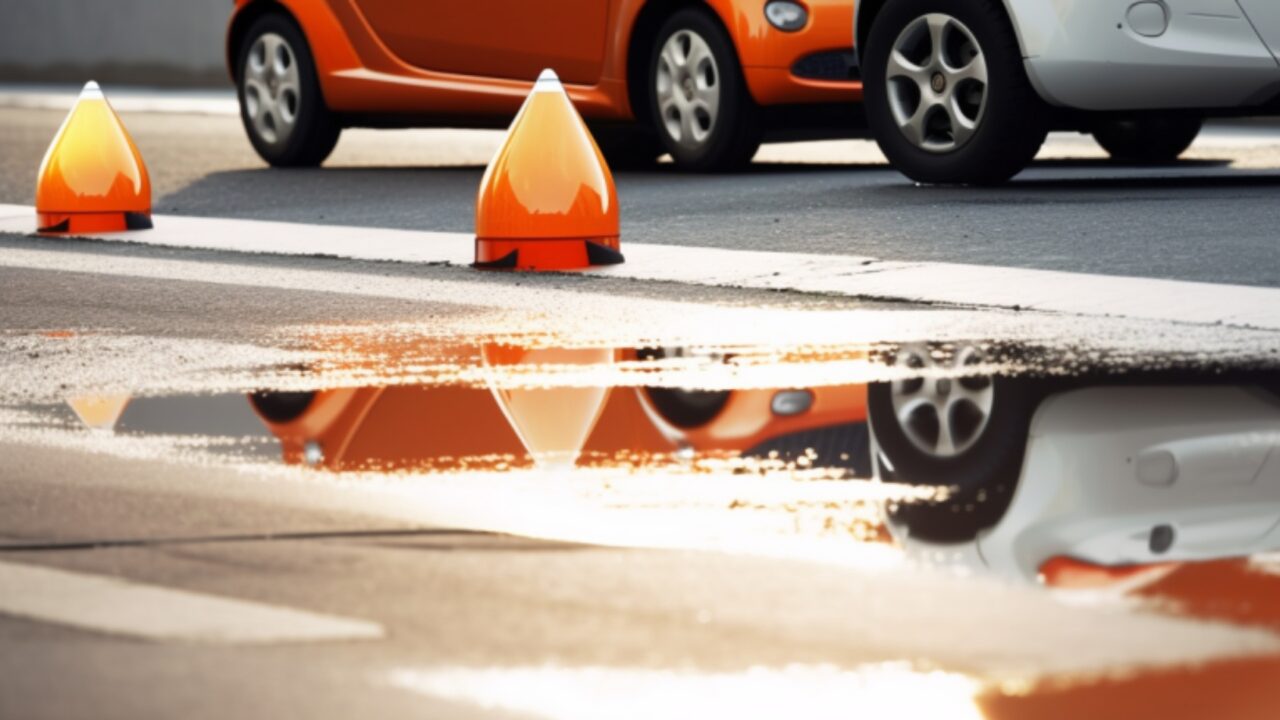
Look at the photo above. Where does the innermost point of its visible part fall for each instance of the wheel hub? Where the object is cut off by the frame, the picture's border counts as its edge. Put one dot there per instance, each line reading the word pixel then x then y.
pixel 272 88
pixel 942 417
pixel 688 89
pixel 936 81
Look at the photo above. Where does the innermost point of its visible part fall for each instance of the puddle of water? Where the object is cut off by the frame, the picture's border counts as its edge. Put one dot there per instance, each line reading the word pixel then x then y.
pixel 1122 482
pixel 1076 467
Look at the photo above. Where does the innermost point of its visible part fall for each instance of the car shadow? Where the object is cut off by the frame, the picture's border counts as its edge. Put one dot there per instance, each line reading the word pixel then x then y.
pixel 372 196
pixel 1043 176
pixel 399 196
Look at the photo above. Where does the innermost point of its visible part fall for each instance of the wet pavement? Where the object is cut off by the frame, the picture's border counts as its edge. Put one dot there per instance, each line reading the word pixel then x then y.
pixel 851 508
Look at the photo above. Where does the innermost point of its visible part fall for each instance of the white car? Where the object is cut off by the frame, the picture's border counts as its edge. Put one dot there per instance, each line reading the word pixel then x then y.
pixel 964 91
pixel 1112 472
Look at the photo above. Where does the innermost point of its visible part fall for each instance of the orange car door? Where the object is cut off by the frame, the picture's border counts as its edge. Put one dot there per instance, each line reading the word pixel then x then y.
pixel 496 38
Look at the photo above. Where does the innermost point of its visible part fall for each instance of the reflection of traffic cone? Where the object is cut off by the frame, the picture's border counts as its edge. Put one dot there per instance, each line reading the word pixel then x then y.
pixel 92 178
pixel 552 422
pixel 99 412
pixel 547 201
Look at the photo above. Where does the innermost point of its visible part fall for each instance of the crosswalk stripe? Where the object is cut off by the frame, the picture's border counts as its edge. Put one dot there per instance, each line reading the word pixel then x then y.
pixel 112 605
pixel 951 284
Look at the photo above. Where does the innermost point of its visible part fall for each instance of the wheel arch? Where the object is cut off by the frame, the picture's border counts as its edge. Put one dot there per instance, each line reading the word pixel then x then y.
pixel 867 11
pixel 246 13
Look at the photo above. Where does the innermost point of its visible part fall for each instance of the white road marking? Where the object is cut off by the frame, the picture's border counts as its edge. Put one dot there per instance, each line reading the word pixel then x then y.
pixel 842 275
pixel 123 99
pixel 811 691
pixel 111 605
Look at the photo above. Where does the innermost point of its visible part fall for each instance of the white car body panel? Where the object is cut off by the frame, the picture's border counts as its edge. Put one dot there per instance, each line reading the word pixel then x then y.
pixel 1104 466
pixel 1086 54
pixel 1265 16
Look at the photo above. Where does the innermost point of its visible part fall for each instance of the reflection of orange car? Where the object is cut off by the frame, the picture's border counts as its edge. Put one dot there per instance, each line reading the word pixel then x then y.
pixel 828 424
pixel 456 426
pixel 703 81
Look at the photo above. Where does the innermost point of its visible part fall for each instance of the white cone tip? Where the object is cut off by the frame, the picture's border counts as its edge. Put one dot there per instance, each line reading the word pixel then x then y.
pixel 548 81
pixel 91 91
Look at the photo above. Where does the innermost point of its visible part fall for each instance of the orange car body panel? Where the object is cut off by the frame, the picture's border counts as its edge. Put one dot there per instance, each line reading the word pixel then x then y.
pixel 462 66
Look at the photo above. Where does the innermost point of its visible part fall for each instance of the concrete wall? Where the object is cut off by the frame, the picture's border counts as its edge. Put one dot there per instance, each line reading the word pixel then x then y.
pixel 140 42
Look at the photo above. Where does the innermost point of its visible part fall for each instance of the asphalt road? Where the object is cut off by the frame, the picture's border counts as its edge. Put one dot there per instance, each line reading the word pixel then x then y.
pixel 1211 218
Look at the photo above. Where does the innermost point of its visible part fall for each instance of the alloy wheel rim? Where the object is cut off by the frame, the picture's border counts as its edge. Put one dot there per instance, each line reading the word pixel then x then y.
pixel 688 89
pixel 272 89
pixel 944 411
pixel 937 83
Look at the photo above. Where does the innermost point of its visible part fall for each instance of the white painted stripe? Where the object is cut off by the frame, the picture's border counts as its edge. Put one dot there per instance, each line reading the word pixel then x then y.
pixel 842 275
pixel 814 692
pixel 123 99
pixel 111 605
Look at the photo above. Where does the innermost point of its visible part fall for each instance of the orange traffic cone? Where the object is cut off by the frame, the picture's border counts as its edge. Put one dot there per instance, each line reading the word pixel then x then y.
pixel 99 412
pixel 552 422
pixel 547 201
pixel 92 178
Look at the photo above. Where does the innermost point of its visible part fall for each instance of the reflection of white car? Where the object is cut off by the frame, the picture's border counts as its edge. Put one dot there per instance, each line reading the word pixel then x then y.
pixel 965 90
pixel 1111 475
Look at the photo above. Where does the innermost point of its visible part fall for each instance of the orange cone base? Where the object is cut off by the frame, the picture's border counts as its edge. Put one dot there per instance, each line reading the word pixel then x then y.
pixel 85 222
pixel 546 254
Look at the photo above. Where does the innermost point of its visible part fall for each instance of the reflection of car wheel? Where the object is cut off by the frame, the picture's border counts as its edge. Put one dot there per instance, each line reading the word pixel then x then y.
pixel 281 105
pixel 699 102
pixel 947 97
pixel 966 433
pixel 1148 140
pixel 683 408
pixel 281 407
pixel 687 409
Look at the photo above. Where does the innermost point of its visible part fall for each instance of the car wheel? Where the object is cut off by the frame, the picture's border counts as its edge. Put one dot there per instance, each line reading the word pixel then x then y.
pixel 683 408
pixel 281 105
pixel 281 407
pixel 947 97
pixel 1148 140
pixel 961 432
pixel 700 107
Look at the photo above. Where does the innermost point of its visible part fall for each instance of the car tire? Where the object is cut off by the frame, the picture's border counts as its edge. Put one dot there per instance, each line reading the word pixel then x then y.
pixel 962 112
pixel 687 409
pixel 281 406
pixel 281 105
pixel 699 103
pixel 1148 140
pixel 980 469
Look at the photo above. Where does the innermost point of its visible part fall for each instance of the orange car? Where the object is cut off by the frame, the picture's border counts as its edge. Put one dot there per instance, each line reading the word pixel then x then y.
pixel 702 80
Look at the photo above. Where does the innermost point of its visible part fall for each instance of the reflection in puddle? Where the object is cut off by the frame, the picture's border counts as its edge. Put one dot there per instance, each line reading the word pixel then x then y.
pixel 1080 476
pixel 587 693
pixel 1080 480
pixel 527 406
pixel 1140 490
